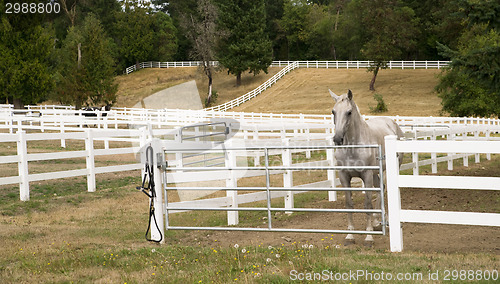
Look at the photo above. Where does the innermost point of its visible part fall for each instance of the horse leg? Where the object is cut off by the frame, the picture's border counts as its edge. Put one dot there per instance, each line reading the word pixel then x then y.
pixel 345 180
pixel 377 218
pixel 368 180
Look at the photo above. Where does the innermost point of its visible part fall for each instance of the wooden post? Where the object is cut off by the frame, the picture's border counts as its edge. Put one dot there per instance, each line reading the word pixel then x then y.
pixel 286 157
pixel 89 147
pixel 22 154
pixel 231 182
pixel 330 157
pixel 393 194
pixel 157 232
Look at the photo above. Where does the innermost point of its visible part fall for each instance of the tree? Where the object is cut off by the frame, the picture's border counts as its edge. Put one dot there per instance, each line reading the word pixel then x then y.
pixel 87 78
pixel 471 85
pixel 391 31
pixel 202 31
pixel 24 51
pixel 246 47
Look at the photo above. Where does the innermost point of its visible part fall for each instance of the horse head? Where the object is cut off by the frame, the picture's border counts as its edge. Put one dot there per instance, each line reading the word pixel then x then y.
pixel 342 113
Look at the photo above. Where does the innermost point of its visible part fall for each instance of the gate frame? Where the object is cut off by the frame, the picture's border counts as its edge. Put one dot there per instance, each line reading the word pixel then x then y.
pixel 222 147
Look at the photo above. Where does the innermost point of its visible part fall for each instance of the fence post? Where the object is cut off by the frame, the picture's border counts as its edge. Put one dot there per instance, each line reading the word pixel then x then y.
pixel 434 155
pixel 286 157
pixel 477 156
pixel 393 194
pixel 89 147
pixel 231 182
pixel 450 155
pixel 414 156
pixel 22 155
pixel 330 157
pixel 63 141
pixel 157 232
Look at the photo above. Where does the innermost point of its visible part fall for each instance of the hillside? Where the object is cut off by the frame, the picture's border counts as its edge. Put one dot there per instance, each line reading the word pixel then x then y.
pixel 145 82
pixel 406 92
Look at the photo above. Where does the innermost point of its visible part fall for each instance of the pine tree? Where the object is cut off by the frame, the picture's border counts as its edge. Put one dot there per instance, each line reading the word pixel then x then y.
pixel 246 46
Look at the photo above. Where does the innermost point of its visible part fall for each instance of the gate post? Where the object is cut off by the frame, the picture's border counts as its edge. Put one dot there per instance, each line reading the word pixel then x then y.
pixel 393 194
pixel 157 232
pixel 231 182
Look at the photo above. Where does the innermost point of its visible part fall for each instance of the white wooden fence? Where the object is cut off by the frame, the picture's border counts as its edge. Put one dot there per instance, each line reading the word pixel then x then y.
pixel 395 181
pixel 302 64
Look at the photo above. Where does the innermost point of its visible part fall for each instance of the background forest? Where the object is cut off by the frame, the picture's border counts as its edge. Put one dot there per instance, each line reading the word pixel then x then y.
pixel 72 56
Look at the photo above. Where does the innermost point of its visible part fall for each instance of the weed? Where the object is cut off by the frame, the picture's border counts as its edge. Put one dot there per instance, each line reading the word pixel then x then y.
pixel 381 106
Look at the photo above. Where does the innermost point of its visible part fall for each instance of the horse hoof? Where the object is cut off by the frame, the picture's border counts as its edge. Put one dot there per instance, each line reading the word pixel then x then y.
pixel 349 242
pixel 368 244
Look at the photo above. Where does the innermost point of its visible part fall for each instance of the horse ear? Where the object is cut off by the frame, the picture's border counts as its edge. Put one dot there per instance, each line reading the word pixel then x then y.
pixel 349 95
pixel 334 96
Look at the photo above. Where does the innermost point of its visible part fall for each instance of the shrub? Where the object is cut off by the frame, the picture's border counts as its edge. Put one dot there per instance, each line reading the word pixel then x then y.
pixel 381 106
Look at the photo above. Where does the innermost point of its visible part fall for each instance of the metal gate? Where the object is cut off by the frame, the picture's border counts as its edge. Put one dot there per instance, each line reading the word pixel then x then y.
pixel 267 168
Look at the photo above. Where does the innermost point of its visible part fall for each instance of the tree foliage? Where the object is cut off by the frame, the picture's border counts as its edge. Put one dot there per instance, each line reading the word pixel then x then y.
pixel 87 66
pixel 246 46
pixel 25 47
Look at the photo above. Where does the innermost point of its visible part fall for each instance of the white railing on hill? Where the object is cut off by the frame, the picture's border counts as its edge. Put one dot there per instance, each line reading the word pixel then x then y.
pixel 252 94
pixel 395 181
pixel 396 64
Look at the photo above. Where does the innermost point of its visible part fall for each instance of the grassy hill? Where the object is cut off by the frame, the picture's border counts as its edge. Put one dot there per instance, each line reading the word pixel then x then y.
pixel 145 82
pixel 406 92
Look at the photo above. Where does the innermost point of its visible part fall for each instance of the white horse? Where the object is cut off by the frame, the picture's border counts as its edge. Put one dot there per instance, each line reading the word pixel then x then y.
pixel 352 129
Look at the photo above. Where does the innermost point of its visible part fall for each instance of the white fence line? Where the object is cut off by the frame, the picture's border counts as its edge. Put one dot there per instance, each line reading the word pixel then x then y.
pixel 252 94
pixel 395 181
pixel 394 64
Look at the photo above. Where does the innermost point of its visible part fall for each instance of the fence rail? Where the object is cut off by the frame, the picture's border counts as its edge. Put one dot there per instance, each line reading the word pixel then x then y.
pixel 395 64
pixel 395 181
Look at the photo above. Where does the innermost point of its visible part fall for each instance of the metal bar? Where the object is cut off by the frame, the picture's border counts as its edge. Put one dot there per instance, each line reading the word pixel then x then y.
pixel 270 209
pixel 204 160
pixel 253 148
pixel 268 185
pixel 279 188
pixel 204 135
pixel 277 168
pixel 275 230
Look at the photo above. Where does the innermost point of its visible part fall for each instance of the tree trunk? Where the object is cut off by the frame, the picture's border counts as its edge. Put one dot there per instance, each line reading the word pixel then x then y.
pixel 238 79
pixel 18 103
pixel 79 55
pixel 209 98
pixel 372 83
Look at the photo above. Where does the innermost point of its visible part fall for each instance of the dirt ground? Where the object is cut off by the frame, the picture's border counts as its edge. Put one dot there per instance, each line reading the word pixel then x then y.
pixel 417 237
pixel 406 92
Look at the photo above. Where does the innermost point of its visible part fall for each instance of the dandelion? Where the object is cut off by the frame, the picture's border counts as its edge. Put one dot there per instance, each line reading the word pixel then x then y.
pixel 277 255
pixel 268 260
pixel 243 250
pixel 153 250
pixel 270 247
pixel 311 246
pixel 236 245
pixel 337 246
pixel 290 262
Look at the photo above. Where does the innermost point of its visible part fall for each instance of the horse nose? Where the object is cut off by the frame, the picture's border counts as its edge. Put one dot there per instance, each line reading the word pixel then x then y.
pixel 338 140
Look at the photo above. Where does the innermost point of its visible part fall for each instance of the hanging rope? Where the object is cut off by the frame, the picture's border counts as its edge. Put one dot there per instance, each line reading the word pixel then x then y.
pixel 148 187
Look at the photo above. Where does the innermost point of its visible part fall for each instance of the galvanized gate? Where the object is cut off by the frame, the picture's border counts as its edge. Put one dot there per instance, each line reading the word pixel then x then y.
pixel 268 189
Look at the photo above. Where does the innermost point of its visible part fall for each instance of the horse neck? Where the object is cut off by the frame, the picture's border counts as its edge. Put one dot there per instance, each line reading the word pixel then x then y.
pixel 357 130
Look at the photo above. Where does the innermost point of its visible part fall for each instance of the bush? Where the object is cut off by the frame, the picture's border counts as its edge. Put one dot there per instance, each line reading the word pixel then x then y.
pixel 381 106
pixel 213 99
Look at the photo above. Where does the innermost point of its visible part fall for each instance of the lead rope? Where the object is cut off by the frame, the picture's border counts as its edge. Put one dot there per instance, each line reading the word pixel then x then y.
pixel 150 191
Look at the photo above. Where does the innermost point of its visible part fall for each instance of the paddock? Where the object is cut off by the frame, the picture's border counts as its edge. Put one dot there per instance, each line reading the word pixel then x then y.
pixel 123 132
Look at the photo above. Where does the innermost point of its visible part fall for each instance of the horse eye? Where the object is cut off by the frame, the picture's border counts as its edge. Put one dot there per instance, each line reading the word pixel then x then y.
pixel 349 113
